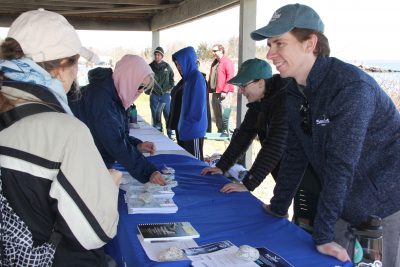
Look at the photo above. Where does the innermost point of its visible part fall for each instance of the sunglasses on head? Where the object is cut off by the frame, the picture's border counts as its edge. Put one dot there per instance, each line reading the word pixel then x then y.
pixel 305 118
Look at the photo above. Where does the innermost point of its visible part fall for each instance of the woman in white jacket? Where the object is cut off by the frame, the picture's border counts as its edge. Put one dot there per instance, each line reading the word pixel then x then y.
pixel 51 172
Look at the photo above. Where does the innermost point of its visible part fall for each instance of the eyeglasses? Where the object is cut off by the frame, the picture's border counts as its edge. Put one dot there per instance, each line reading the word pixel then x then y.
pixel 305 118
pixel 214 51
pixel 143 87
pixel 243 86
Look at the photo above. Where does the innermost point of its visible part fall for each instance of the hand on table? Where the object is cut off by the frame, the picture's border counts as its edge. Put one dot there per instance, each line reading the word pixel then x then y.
pixel 335 250
pixel 116 175
pixel 233 187
pixel 211 170
pixel 147 146
pixel 268 210
pixel 157 178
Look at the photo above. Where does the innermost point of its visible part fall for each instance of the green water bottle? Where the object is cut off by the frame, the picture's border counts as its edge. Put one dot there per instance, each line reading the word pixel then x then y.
pixel 368 247
pixel 133 114
pixel 132 117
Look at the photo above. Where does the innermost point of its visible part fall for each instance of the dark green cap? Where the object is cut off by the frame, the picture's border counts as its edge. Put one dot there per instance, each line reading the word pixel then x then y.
pixel 252 69
pixel 286 19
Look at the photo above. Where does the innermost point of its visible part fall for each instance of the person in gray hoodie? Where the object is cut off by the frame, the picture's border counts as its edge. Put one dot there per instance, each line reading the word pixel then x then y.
pixel 344 125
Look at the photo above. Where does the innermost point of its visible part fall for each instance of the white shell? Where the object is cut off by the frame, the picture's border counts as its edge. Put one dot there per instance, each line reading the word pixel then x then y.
pixel 150 187
pixel 146 197
pixel 247 253
pixel 168 170
pixel 170 254
pixel 168 177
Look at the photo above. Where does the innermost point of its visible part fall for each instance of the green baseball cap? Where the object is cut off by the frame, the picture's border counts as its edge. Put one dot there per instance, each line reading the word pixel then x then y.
pixel 286 19
pixel 252 69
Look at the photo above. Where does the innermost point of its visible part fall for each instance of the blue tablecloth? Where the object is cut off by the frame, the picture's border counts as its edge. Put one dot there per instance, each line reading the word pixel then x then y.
pixel 237 217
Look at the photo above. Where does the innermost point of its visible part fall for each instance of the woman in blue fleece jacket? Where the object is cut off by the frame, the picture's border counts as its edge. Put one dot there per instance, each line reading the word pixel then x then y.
pixel 193 121
pixel 341 123
pixel 103 108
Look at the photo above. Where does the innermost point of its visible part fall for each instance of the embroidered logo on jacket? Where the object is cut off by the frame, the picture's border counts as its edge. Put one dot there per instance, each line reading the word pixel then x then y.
pixel 323 122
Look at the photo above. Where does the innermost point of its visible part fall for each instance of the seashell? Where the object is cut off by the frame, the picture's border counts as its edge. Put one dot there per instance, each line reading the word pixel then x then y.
pixel 147 197
pixel 171 254
pixel 247 253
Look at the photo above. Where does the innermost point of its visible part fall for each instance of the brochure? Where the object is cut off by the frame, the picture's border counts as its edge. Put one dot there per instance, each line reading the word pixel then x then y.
pixel 167 231
pixel 216 255
pixel 156 205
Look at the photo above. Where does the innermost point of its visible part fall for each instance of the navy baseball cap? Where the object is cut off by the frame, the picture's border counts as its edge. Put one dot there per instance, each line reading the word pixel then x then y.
pixel 286 19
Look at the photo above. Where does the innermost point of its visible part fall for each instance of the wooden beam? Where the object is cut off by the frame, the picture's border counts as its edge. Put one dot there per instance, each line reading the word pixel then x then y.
pixel 187 11
pixel 94 23
pixel 117 2
pixel 117 10
pixel 50 6
pixel 110 25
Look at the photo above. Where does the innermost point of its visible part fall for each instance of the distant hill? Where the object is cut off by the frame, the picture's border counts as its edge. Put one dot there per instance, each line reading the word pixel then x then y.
pixel 376 69
pixel 377 65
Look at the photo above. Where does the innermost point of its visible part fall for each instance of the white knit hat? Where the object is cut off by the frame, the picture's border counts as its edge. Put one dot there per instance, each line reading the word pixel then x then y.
pixel 45 35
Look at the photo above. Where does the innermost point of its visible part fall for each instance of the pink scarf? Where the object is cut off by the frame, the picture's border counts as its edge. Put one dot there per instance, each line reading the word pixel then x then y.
pixel 129 73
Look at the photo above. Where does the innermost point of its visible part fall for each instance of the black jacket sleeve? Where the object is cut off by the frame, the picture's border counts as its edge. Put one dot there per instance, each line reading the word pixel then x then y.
pixel 274 143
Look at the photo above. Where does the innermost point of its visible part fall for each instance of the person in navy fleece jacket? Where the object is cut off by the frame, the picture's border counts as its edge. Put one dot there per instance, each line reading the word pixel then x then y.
pixel 341 123
pixel 193 121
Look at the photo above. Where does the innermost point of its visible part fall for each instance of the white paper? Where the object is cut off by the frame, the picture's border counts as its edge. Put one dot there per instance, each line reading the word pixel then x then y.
pixel 149 133
pixel 216 255
pixel 153 249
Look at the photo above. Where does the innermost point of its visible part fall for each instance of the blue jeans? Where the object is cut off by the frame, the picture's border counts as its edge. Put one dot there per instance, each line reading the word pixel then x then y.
pixel 155 100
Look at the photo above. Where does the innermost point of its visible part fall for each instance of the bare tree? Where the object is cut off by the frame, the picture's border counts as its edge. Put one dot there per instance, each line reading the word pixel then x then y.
pixel 204 52
pixel 261 51
pixel 233 47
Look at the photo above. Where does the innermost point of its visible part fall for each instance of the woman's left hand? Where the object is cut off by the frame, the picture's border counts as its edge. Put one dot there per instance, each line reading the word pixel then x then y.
pixel 233 187
pixel 335 250
pixel 147 147
pixel 157 178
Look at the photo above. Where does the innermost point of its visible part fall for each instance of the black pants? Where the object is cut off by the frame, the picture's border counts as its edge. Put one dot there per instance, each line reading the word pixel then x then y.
pixel 194 147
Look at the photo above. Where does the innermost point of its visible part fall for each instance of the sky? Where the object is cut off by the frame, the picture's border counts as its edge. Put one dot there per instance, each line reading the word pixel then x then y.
pixel 356 29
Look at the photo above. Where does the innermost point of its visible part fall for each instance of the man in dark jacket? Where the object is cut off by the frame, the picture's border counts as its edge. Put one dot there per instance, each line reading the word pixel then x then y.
pixel 341 123
pixel 161 94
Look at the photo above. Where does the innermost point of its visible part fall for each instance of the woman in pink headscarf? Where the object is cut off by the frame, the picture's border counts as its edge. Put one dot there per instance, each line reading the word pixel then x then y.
pixel 103 107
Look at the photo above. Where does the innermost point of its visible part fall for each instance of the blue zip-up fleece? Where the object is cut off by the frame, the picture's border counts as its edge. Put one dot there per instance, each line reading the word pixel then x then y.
pixel 354 147
pixel 101 109
pixel 193 118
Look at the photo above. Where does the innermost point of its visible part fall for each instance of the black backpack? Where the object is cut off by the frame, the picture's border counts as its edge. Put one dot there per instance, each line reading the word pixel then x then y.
pixel 16 243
